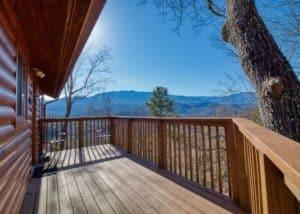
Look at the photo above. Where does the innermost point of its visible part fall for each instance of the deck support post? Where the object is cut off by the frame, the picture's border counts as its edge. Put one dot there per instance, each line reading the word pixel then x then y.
pixel 236 167
pixel 162 149
pixel 129 136
pixel 240 182
pixel 242 179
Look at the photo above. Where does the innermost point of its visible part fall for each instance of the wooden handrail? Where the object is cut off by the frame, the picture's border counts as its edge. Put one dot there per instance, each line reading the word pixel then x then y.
pixel 233 157
pixel 268 170
pixel 282 151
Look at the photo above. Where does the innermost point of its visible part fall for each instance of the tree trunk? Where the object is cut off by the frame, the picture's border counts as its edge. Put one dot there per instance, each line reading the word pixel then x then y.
pixel 68 106
pixel 275 82
pixel 67 114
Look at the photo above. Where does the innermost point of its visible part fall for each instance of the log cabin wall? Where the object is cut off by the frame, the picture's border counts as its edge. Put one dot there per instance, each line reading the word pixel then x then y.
pixel 15 130
pixel 35 36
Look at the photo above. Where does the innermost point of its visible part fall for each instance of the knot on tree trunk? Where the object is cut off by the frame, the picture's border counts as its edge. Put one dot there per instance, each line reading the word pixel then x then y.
pixel 226 32
pixel 273 86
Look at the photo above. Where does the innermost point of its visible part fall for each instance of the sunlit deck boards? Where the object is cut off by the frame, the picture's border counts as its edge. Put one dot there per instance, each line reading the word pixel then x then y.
pixel 72 157
pixel 114 185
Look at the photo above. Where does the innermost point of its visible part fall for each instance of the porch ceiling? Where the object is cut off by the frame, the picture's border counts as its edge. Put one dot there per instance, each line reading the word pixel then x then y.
pixel 54 33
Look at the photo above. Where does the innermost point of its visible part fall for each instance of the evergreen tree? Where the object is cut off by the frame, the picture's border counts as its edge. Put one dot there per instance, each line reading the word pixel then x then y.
pixel 160 104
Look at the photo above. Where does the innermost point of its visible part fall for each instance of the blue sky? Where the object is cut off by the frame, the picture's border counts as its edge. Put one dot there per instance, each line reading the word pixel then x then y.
pixel 147 52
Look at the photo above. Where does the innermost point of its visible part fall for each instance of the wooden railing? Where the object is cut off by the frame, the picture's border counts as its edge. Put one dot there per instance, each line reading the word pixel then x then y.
pixel 191 148
pixel 233 158
pixel 73 133
pixel 265 169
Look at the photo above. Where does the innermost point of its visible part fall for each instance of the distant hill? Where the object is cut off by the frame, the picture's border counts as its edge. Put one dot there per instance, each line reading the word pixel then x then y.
pixel 133 103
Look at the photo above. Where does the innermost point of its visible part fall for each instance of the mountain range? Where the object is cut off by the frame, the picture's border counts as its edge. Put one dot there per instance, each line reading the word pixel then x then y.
pixel 133 103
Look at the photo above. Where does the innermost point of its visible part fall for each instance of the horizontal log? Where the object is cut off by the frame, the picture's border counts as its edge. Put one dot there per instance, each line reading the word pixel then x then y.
pixel 13 192
pixel 12 157
pixel 7 97
pixel 17 166
pixel 7 115
pixel 7 61
pixel 6 132
pixel 14 143
pixel 7 79
pixel 8 45
pixel 14 174
pixel 12 170
pixel 16 207
pixel 6 25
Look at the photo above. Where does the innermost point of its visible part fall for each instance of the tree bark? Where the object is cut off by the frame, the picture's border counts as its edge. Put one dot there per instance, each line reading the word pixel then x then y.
pixel 68 106
pixel 275 82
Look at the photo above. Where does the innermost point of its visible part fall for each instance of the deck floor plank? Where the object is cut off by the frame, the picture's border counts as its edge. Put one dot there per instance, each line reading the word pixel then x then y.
pixel 41 202
pixel 98 195
pixel 178 193
pixel 132 193
pixel 128 203
pixel 64 196
pixel 160 194
pixel 52 195
pixel 86 195
pixel 104 180
pixel 143 190
pixel 109 194
pixel 76 199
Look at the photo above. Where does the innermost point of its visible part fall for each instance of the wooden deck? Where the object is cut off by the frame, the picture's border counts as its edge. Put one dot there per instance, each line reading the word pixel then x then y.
pixel 71 158
pixel 114 184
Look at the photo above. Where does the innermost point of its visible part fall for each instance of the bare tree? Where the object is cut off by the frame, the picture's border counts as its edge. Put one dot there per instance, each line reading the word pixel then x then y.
pixel 285 22
pixel 92 110
pixel 103 105
pixel 275 82
pixel 86 78
pixel 234 84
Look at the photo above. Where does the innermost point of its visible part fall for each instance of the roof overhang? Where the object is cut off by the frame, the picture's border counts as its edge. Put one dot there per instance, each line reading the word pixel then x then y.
pixel 54 33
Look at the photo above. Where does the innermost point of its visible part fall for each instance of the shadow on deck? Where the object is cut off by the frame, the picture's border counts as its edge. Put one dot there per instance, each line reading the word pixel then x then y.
pixel 72 158
pixel 104 179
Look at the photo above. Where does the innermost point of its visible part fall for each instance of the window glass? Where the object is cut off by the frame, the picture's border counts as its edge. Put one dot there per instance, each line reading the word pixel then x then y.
pixel 21 87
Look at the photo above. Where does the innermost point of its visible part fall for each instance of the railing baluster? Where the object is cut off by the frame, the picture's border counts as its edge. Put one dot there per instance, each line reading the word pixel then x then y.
pixel 179 148
pixel 185 152
pixel 219 160
pixel 142 138
pixel 196 152
pixel 203 155
pixel 151 141
pixel 190 152
pixel 210 159
pixel 169 149
pixel 146 139
pixel 174 148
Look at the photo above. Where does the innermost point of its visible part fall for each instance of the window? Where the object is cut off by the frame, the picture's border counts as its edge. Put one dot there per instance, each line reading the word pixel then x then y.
pixel 21 87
